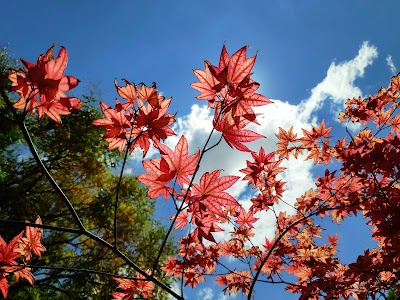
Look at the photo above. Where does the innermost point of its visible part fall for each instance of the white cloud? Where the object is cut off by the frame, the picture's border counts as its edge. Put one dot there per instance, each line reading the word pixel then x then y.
pixel 223 296
pixel 205 294
pixel 128 171
pixel 338 85
pixel 391 65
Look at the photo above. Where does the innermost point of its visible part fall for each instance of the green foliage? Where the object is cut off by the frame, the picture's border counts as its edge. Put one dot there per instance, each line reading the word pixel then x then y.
pixel 392 295
pixel 7 61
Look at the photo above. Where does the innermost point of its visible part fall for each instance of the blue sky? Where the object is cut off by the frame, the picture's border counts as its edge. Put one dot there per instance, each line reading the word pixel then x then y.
pixel 311 56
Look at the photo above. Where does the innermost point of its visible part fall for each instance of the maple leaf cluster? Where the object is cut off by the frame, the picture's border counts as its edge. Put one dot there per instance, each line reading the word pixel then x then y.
pixel 43 86
pixel 199 260
pixel 132 287
pixel 143 117
pixel 262 174
pixel 174 164
pixel 229 89
pixel 22 246
pixel 366 183
pixel 207 202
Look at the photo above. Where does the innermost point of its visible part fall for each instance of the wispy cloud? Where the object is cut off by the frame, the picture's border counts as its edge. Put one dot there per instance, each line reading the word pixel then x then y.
pixel 338 85
pixel 223 296
pixel 390 64
pixel 205 294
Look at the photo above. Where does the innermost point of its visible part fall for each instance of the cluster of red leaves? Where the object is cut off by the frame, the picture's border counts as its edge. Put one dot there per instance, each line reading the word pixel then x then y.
pixel 143 117
pixel 315 141
pixel 132 287
pixel 368 182
pixel 176 164
pixel 198 261
pixel 236 281
pixel 43 86
pixel 207 202
pixel 262 174
pixel 20 247
pixel 232 93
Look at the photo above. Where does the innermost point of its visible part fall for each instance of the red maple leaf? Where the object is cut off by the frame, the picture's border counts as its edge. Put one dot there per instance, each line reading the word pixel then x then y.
pixel 229 86
pixel 150 94
pixel 173 266
pixel 31 242
pixel 181 220
pixel 127 92
pixel 286 138
pixel 394 85
pixel 246 218
pixel 9 252
pixel 333 239
pixel 241 106
pixel 205 227
pixel 158 175
pixel 152 123
pixel 234 70
pixel 132 287
pixel 179 160
pixel 193 279
pixel 43 86
pixel 26 274
pixel 234 134
pixel 211 191
pixel 301 272
pixel 206 85
pixel 117 125
pixel 3 285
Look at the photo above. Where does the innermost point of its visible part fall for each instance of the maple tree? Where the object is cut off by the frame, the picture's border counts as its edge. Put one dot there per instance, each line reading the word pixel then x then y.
pixel 362 177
